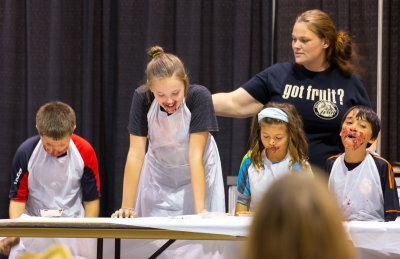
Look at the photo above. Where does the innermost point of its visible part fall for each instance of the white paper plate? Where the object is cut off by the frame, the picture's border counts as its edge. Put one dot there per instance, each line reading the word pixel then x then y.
pixel 51 213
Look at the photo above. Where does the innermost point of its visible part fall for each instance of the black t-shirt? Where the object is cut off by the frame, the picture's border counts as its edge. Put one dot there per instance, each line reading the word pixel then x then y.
pixel 198 101
pixel 321 99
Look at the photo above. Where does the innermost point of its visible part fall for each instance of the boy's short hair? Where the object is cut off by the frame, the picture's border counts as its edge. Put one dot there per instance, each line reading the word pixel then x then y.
pixel 55 120
pixel 365 112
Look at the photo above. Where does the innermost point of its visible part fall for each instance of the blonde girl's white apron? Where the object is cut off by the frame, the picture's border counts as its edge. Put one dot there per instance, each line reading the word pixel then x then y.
pixel 58 188
pixel 261 180
pixel 359 191
pixel 165 187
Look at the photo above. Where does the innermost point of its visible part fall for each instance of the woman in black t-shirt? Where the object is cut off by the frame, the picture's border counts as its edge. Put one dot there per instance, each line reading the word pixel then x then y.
pixel 320 83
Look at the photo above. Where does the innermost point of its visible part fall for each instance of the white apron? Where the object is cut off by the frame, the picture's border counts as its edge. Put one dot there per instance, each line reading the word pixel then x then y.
pixel 55 189
pixel 359 191
pixel 165 187
pixel 260 181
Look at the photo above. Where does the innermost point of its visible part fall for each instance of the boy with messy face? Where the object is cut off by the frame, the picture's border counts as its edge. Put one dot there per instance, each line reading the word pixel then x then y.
pixel 362 181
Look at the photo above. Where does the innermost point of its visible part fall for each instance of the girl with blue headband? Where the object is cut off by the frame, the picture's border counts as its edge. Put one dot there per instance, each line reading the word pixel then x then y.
pixel 278 147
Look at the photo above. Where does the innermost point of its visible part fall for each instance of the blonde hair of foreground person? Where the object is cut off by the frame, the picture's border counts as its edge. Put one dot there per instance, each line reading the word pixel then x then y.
pixel 54 252
pixel 298 218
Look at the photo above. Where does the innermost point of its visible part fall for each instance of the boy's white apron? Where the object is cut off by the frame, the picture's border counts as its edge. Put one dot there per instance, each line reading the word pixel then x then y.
pixel 358 191
pixel 165 187
pixel 55 189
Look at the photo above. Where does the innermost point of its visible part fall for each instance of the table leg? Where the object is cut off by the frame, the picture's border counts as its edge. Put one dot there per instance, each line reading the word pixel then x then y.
pixel 117 248
pixel 99 248
pixel 161 249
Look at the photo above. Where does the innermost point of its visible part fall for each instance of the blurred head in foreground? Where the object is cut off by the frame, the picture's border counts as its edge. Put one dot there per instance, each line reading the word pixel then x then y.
pixel 298 218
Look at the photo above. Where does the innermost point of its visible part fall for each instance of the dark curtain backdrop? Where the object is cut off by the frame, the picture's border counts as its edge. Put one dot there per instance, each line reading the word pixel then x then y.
pixel 92 55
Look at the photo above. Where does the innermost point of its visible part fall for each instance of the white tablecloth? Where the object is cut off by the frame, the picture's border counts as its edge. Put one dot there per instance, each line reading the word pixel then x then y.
pixel 379 236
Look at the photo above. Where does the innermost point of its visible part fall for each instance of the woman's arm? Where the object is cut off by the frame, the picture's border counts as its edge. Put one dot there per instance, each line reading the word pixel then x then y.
pixel 238 103
pixel 197 145
pixel 133 167
pixel 374 146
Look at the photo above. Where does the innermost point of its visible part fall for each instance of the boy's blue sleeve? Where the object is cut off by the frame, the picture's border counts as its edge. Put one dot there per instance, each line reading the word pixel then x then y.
pixel 243 186
pixel 19 190
pixel 389 189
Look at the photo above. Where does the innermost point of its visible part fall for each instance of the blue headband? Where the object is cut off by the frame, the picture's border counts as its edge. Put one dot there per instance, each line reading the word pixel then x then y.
pixel 274 113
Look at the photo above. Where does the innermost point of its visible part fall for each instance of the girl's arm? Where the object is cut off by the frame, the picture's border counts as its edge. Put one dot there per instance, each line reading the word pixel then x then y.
pixel 197 145
pixel 243 187
pixel 240 207
pixel 133 167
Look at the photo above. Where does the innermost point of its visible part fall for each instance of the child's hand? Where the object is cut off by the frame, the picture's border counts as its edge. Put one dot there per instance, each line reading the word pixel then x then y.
pixel 7 243
pixel 203 211
pixel 124 213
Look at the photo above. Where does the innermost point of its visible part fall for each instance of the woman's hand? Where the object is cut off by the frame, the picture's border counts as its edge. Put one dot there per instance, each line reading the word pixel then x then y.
pixel 124 213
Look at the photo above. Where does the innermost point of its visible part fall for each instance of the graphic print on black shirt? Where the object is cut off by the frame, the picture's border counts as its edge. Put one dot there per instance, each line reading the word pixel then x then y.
pixel 326 107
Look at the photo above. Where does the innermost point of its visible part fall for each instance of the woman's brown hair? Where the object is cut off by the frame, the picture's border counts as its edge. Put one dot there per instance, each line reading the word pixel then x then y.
pixel 341 51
